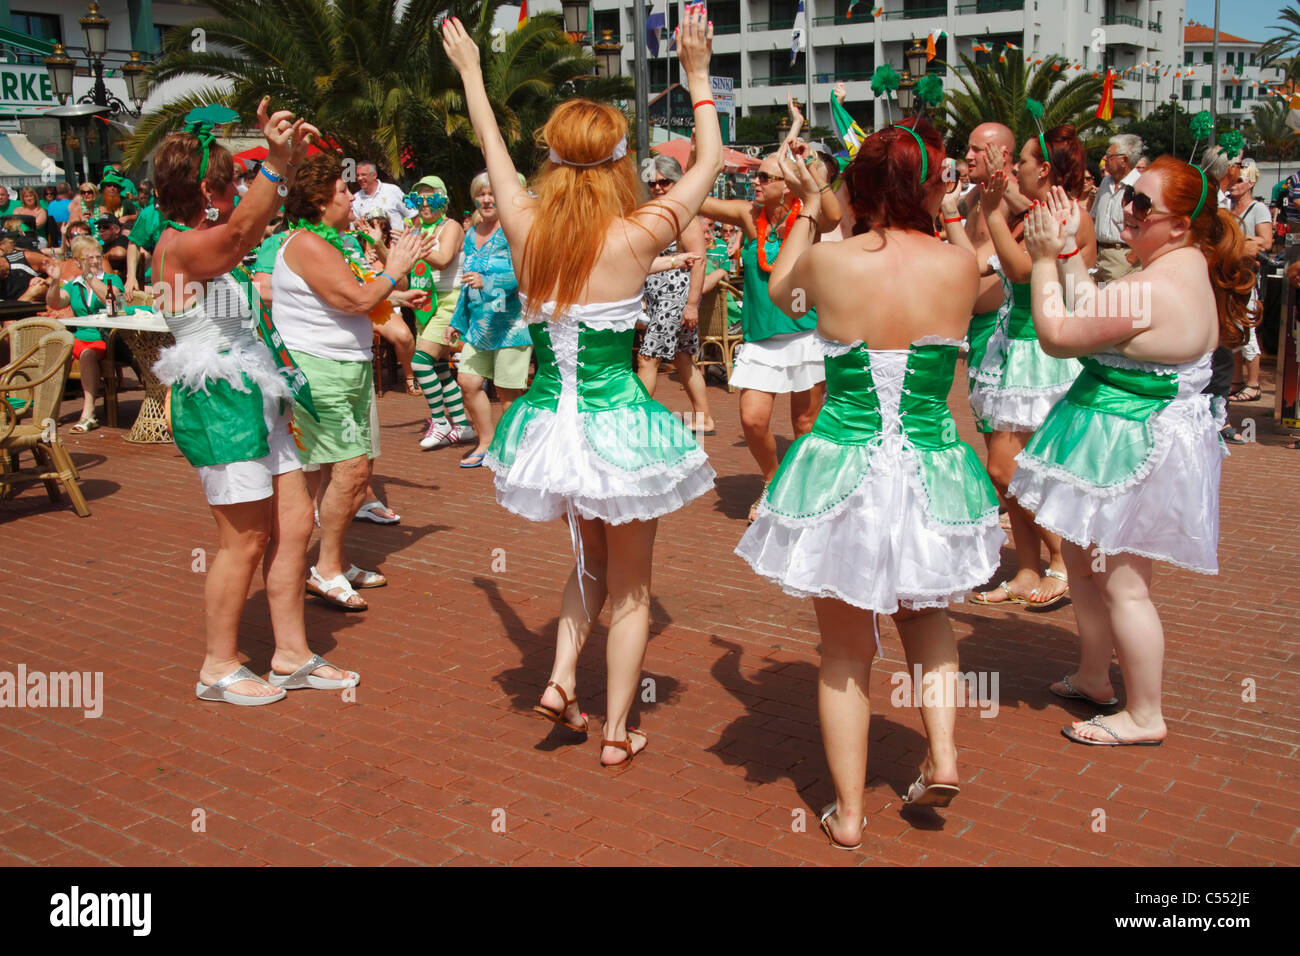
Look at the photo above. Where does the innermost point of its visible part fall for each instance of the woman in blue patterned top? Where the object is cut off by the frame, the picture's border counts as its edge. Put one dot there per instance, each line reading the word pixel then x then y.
pixel 489 318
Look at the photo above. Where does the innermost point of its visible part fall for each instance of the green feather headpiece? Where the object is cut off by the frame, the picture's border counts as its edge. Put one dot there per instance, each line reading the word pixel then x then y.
pixel 929 90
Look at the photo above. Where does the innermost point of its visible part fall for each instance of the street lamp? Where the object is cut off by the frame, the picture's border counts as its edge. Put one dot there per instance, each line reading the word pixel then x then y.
pixel 915 57
pixel 906 92
pixel 60 67
pixel 1173 109
pixel 95 29
pixel 609 55
pixel 137 83
pixel 576 13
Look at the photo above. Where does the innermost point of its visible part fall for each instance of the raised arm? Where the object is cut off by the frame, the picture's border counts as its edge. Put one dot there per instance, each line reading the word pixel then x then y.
pixel 734 212
pixel 513 205
pixel 788 285
pixel 1015 261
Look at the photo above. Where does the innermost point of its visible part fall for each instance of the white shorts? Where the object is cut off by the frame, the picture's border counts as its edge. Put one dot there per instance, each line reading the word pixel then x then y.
pixel 783 363
pixel 242 481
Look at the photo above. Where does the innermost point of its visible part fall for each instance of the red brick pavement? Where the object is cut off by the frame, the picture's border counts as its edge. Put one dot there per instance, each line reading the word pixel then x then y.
pixel 439 762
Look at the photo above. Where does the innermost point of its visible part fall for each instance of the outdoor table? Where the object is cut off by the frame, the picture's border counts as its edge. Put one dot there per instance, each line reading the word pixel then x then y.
pixel 146 334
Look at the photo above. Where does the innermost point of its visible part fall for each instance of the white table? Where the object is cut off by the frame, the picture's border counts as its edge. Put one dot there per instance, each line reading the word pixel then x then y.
pixel 146 334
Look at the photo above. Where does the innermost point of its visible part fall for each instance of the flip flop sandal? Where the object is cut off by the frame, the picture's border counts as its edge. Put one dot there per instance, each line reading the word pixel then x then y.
pixel 922 794
pixel 1241 396
pixel 218 691
pixel 1070 734
pixel 1012 598
pixel 1049 604
pixel 624 745
pixel 1293 445
pixel 365 579
pixel 557 716
pixel 318 586
pixel 473 461
pixel 370 512
pixel 826 815
pixel 1074 693
pixel 304 677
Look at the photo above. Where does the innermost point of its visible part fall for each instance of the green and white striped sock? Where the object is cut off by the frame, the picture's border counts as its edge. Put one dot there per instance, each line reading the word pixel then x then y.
pixel 452 399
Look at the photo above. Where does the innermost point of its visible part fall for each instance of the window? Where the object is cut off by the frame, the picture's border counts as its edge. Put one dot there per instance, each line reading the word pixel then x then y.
pixel 1252 59
pixel 42 26
pixel 726 15
pixel 1205 91
pixel 1187 58
pixel 858 59
pixel 1250 92
pixel 1207 56
pixel 1187 91
pixel 726 64
pixel 779 65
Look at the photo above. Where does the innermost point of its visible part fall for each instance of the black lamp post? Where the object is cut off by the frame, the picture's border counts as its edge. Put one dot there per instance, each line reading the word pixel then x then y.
pixel 61 67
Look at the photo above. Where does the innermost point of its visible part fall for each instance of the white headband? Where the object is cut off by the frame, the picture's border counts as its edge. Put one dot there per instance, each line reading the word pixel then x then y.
pixel 620 150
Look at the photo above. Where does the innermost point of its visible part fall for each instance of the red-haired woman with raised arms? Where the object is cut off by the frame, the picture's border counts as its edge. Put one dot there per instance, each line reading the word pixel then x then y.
pixel 1017 382
pixel 880 509
pixel 586 442
pixel 1126 467
pixel 230 404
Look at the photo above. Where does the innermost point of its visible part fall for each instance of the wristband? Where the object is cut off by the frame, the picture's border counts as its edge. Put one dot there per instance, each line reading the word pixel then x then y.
pixel 954 219
pixel 281 189
pixel 704 103
pixel 389 278
pixel 804 215
pixel 825 189
pixel 1069 254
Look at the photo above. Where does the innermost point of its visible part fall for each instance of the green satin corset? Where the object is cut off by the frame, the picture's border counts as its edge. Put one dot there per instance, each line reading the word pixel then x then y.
pixel 852 413
pixel 1020 321
pixel 1130 393
pixel 605 377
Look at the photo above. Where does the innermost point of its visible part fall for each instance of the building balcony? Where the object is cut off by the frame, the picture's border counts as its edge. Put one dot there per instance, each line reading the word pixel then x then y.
pixel 762 26
pixel 919 13
pixel 1125 31
pixel 989 6
pixel 793 79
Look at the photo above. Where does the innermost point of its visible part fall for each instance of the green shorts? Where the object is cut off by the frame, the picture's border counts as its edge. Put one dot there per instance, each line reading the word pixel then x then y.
pixel 437 324
pixel 507 367
pixel 342 393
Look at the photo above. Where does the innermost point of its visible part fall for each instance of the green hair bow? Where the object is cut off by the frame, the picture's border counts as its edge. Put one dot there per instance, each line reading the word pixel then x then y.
pixel 201 122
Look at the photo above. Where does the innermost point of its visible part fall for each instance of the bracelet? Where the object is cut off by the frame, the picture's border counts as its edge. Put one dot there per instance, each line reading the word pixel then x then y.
pixel 954 219
pixel 265 171
pixel 389 278
pixel 804 215
pixel 704 103
pixel 1069 254
pixel 825 189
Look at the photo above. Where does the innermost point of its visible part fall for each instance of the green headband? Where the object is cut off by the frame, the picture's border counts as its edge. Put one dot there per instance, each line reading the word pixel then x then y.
pixel 1205 189
pixel 201 122
pixel 1042 144
pixel 925 162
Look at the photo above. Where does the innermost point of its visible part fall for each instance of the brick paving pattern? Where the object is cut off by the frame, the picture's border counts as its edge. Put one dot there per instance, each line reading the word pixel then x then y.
pixel 439 761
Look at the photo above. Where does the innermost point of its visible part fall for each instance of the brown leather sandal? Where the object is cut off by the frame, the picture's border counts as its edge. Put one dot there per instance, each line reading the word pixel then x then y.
pixel 557 716
pixel 625 746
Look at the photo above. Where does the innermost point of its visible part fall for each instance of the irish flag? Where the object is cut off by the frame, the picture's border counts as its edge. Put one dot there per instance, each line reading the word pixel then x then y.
pixel 930 50
pixel 1107 104
pixel 849 131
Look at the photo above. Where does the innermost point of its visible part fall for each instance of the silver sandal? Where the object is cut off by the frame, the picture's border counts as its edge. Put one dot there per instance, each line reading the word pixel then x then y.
pixel 303 678
pixel 218 691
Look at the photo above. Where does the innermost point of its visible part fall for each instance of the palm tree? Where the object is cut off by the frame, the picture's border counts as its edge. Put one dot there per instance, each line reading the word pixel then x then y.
pixel 1285 43
pixel 1277 141
pixel 996 93
pixel 376 83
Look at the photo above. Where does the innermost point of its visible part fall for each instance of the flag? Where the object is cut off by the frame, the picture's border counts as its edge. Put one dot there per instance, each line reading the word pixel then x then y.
pixel 930 50
pixel 655 23
pixel 523 14
pixel 1012 46
pixel 849 131
pixel 849 13
pixel 1107 104
pixel 979 48
pixel 797 39
pixel 875 14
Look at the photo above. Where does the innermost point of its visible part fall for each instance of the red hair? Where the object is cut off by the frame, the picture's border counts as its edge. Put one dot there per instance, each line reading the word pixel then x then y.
pixel 1217 234
pixel 884 179
pixel 1065 153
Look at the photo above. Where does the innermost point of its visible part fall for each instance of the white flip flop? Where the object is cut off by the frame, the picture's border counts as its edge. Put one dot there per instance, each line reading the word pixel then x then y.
pixel 367 513
pixel 304 678
pixel 218 691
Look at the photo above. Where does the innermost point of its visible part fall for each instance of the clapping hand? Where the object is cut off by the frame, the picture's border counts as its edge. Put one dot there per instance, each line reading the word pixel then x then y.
pixel 992 193
pixel 403 254
pixel 1065 210
pixel 1043 238
pixel 695 41
pixel 799 178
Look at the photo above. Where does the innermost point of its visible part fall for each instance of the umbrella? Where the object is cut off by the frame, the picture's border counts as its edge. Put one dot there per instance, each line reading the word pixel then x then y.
pixel 258 153
pixel 733 161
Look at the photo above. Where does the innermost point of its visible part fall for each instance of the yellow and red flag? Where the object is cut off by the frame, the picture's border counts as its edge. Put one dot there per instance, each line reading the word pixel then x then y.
pixel 1107 105
pixel 523 14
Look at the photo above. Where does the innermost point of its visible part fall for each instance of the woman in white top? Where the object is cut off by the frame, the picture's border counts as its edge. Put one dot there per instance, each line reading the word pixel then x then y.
pixel 326 306
pixel 1257 227
pixel 582 250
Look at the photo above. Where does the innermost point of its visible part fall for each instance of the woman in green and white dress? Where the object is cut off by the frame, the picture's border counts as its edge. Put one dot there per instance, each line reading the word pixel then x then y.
pixel 1126 466
pixel 880 509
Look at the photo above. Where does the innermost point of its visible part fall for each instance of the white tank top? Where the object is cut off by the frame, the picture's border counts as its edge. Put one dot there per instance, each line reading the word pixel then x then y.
pixel 308 324
pixel 447 280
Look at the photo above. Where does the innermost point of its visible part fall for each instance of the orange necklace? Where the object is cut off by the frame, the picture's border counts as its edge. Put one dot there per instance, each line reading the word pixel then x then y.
pixel 763 230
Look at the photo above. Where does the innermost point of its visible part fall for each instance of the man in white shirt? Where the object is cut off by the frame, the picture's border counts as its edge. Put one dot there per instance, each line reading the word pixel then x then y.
pixel 1108 206
pixel 375 195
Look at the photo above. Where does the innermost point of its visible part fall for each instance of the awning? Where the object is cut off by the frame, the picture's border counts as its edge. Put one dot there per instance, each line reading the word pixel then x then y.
pixel 733 161
pixel 22 164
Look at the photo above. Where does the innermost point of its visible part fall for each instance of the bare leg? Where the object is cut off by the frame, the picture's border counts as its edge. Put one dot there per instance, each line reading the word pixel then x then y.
pixel 90 377
pixel 928 641
pixel 1140 643
pixel 631 554
pixel 242 534
pixel 1003 448
pixel 804 407
pixel 1095 640
pixel 843 708
pixel 479 408
pixel 339 504
pixel 396 333
pixel 756 422
pixel 647 369
pixel 576 619
pixel 693 381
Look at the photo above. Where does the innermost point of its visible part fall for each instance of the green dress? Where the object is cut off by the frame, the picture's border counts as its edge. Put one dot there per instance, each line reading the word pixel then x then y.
pixel 880 505
pixel 1017 383
pixel 1128 462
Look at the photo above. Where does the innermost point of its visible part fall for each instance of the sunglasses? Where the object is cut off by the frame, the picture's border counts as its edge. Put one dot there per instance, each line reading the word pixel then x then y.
pixel 87 192
pixel 662 183
pixel 435 202
pixel 1142 204
pixel 763 179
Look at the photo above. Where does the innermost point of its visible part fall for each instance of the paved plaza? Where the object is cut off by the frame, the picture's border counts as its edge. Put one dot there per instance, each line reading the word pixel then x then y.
pixel 440 761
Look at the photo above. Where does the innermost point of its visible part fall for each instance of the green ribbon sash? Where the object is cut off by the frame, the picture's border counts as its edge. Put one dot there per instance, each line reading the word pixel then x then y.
pixel 291 373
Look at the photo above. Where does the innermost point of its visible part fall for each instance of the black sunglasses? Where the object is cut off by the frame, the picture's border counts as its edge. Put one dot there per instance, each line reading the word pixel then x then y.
pixel 1141 203
pixel 763 179
pixel 662 183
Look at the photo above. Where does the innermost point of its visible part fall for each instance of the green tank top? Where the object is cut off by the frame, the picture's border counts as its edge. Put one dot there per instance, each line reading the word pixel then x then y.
pixel 760 319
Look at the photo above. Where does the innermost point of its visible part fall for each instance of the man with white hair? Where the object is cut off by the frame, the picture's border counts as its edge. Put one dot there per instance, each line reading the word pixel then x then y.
pixel 1108 206
pixel 375 196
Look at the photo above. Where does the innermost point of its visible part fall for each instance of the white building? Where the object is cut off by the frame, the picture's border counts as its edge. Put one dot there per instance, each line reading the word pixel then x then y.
pixel 752 43
pixel 1241 80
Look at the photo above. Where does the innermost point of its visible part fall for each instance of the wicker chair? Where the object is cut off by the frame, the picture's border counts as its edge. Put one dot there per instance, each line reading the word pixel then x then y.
pixel 714 332
pixel 35 379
